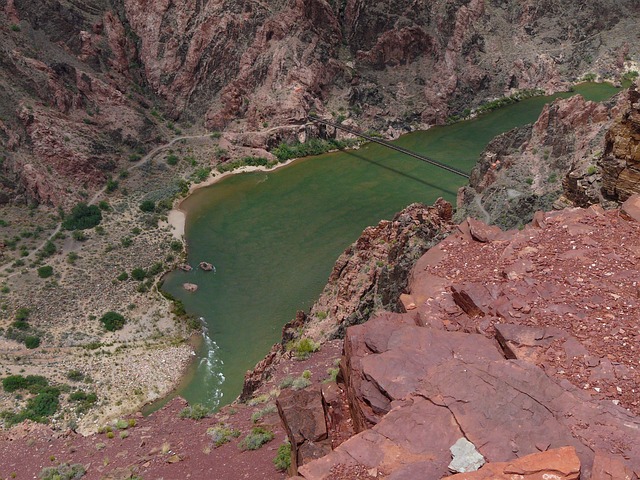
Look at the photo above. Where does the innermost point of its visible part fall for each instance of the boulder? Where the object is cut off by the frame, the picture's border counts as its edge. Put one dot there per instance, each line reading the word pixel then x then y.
pixel 303 416
pixel 557 464
pixel 190 287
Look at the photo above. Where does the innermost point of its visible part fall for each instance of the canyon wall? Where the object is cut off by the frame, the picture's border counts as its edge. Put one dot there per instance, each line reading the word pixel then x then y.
pixel 87 84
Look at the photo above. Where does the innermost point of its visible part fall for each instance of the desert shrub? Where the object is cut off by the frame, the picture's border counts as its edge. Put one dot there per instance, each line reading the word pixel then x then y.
pixel 138 274
pixel 196 411
pixel 79 235
pixel 82 216
pixel 592 169
pixel 45 272
pixel 123 276
pixel 112 321
pixel 20 325
pixel 172 159
pixel 257 415
pixel 63 471
pixel 32 341
pixel 48 249
pixel 286 382
pixel 332 374
pixel 33 383
pixel 148 206
pixel 155 269
pixel 222 434
pixel 254 440
pixel 300 383
pixel 75 375
pixel 112 185
pixel 282 461
pixel 303 348
pixel 22 313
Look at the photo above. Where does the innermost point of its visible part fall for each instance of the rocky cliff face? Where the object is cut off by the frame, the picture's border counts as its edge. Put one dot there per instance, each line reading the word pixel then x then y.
pixel 514 341
pixel 620 162
pixel 80 78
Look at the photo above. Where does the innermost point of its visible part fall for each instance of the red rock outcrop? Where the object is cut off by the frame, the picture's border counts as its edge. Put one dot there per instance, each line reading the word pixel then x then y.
pixel 559 464
pixel 560 298
pixel 372 272
pixel 621 160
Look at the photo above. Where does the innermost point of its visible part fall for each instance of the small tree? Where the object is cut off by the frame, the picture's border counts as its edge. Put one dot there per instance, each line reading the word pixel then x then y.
pixel 82 216
pixel 112 321
pixel 138 274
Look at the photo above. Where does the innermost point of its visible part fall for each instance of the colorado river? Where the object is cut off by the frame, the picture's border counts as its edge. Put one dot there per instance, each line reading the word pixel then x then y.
pixel 274 237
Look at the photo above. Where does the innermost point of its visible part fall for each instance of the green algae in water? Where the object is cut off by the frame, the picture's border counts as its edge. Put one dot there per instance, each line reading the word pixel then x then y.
pixel 274 237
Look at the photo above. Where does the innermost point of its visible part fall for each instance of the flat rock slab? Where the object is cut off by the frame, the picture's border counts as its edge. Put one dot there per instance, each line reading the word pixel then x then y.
pixel 386 361
pixel 557 464
pixel 414 437
pixel 631 208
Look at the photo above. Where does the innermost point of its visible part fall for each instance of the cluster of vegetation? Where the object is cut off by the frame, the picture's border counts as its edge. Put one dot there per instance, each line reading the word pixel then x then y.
pixel 254 440
pixel 221 434
pixel 112 321
pixel 21 331
pixel 196 411
pixel 64 471
pixel 119 424
pixel 246 162
pixel 303 347
pixel 258 414
pixel 589 77
pixel 315 146
pixel 40 407
pixel 45 271
pixel 282 461
pixel 497 103
pixel 298 383
pixel 629 77
pixel 82 217
pixel 83 400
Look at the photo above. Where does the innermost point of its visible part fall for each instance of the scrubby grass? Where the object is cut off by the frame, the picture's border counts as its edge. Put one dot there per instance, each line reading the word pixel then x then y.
pixel 257 415
pixel 63 471
pixel 254 440
pixel 222 434
pixel 282 461
pixel 196 411
pixel 303 348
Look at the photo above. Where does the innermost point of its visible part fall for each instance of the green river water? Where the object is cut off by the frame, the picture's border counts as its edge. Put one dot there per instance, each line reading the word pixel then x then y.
pixel 274 237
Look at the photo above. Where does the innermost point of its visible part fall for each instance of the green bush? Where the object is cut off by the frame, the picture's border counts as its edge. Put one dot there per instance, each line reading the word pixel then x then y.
pixel 172 159
pixel 303 348
pixel 300 383
pixel 82 216
pixel 258 437
pixel 112 185
pixel 148 206
pixel 315 146
pixel 33 383
pixel 45 272
pixel 63 471
pixel 112 321
pixel 48 249
pixel 282 461
pixel 592 169
pixel 138 274
pixel 79 235
pixel 31 341
pixel 22 313
pixel 196 411
pixel 123 276
pixel 20 325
